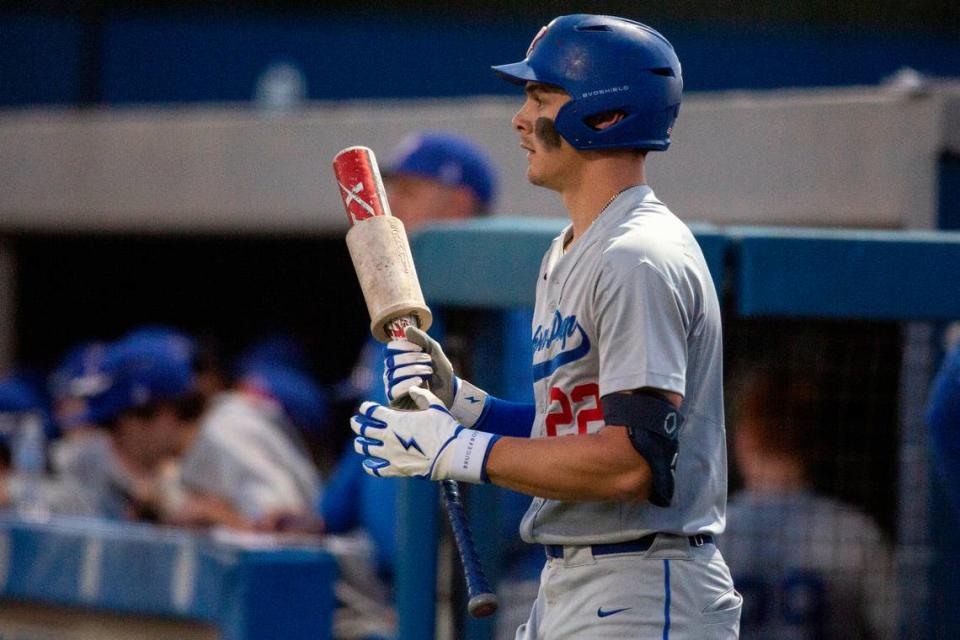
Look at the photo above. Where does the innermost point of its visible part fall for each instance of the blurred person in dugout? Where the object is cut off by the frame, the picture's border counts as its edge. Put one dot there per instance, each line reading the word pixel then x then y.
pixel 808 566
pixel 277 365
pixel 180 456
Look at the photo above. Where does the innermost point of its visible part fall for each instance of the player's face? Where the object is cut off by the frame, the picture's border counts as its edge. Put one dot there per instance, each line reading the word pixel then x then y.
pixel 551 160
pixel 144 440
pixel 417 201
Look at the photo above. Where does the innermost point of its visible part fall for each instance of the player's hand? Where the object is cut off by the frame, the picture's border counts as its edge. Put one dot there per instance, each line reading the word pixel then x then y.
pixel 419 361
pixel 428 443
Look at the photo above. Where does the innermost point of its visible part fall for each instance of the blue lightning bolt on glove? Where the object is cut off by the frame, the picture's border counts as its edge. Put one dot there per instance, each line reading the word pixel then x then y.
pixel 419 360
pixel 428 443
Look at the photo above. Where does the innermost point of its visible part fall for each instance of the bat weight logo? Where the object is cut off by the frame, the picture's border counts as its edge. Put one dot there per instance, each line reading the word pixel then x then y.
pixel 352 195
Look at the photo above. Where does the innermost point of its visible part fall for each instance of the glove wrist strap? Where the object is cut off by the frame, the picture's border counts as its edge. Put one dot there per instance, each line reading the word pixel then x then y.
pixel 469 402
pixel 469 456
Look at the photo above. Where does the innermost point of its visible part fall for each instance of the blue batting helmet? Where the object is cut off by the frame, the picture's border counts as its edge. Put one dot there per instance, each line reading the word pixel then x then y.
pixel 606 64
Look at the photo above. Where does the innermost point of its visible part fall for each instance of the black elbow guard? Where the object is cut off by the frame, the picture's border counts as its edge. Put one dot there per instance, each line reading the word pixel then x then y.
pixel 653 424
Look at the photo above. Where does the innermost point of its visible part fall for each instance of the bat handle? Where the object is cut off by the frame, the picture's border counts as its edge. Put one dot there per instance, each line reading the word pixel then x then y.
pixel 396 327
pixel 482 602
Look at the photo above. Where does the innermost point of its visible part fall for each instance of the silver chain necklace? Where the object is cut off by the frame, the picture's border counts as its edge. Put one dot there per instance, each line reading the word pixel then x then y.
pixel 566 244
pixel 610 201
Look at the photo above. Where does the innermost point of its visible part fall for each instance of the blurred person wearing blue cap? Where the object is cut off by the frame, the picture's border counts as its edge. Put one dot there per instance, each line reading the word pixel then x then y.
pixel 141 390
pixel 80 445
pixel 208 375
pixel 18 399
pixel 302 400
pixel 24 482
pixel 249 452
pixel 236 459
pixel 433 176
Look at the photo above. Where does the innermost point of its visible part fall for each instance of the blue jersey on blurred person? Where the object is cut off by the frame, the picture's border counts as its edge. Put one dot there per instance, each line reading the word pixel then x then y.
pixel 943 422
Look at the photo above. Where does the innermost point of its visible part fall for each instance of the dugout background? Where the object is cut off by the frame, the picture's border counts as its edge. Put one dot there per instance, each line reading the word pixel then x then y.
pixel 245 241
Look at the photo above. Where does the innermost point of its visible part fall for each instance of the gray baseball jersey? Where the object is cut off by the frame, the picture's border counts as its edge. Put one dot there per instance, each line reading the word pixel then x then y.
pixel 631 304
pixel 244 453
pixel 809 567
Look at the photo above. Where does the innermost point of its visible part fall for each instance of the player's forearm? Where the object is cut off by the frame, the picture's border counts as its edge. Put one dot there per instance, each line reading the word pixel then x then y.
pixel 600 466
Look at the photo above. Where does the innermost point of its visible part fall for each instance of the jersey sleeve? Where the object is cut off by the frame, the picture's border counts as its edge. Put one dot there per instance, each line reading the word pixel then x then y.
pixel 641 328
pixel 507 418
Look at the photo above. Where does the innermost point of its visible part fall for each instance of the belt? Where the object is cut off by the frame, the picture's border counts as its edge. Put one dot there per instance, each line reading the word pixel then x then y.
pixel 632 546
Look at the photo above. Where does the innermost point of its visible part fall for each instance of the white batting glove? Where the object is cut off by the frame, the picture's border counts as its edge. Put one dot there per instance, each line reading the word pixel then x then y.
pixel 428 443
pixel 419 361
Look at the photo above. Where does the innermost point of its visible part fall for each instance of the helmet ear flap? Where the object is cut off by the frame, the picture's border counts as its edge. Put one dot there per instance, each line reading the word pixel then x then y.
pixel 577 125
pixel 643 126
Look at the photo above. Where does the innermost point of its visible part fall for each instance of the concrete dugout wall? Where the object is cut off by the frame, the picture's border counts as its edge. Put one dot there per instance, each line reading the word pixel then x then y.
pixel 858 157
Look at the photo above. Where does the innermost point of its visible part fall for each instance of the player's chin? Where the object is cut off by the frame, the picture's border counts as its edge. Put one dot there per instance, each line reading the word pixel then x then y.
pixel 539 180
pixel 534 176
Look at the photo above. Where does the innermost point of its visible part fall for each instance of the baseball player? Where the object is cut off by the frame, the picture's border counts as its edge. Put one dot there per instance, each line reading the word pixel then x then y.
pixel 623 451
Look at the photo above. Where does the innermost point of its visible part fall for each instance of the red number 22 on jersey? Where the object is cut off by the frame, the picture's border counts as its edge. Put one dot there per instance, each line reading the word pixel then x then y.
pixel 579 397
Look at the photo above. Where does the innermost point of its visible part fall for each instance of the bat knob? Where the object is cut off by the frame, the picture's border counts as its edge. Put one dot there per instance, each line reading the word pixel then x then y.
pixel 482 605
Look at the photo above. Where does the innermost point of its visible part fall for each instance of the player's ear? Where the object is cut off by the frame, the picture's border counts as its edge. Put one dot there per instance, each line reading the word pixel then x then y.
pixel 463 203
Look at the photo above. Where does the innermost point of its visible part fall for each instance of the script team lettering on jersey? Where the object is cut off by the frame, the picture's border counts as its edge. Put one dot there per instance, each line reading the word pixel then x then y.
pixel 562 329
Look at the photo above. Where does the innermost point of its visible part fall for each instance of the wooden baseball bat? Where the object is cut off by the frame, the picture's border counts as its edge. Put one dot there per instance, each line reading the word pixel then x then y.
pixel 384 265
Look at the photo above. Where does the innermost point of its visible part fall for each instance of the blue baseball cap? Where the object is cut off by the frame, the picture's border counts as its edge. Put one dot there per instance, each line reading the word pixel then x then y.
pixel 301 398
pixel 160 332
pixel 134 372
pixel 80 360
pixel 18 395
pixel 449 159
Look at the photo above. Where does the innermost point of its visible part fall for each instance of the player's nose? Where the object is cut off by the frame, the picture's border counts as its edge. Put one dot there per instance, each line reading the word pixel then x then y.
pixel 520 121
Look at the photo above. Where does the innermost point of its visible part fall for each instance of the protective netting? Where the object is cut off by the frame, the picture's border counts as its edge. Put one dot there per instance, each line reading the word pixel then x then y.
pixel 820 474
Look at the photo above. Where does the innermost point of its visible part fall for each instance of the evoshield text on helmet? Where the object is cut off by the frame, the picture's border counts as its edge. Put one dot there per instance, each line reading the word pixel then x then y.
pixel 606 64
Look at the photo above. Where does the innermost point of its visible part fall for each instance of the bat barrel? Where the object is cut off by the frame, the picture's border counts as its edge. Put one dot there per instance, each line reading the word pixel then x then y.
pixel 384 265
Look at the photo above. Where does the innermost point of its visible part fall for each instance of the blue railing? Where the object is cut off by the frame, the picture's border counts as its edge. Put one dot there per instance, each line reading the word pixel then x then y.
pixel 245 592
